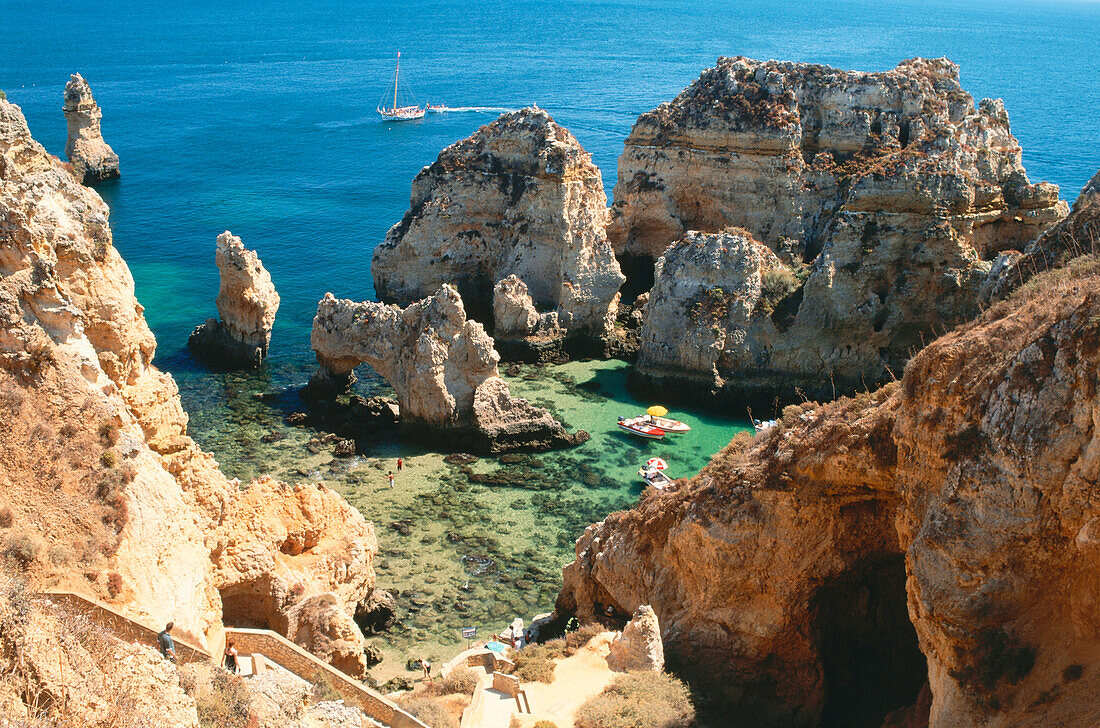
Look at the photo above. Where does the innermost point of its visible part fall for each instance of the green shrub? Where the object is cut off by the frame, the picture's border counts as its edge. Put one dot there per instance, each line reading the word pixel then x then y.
pixel 430 712
pixel 775 285
pixel 3 96
pixel 651 699
pixel 109 459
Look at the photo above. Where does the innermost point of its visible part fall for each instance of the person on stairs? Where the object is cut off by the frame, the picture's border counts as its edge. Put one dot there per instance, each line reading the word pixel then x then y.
pixel 165 643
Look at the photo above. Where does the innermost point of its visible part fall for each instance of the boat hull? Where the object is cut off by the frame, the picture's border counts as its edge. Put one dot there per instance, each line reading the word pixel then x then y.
pixel 657 479
pixel 672 427
pixel 406 113
pixel 649 433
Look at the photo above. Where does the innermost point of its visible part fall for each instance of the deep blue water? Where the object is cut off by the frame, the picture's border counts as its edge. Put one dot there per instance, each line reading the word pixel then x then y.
pixel 258 117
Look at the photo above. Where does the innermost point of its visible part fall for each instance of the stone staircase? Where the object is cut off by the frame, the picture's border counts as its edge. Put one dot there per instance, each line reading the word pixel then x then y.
pixel 265 644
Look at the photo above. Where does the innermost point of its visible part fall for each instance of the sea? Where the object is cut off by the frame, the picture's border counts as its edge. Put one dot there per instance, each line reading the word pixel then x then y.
pixel 259 118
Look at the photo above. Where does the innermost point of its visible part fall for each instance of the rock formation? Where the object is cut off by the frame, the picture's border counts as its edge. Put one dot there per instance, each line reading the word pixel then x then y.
pixel 639 647
pixel 1076 235
pixel 886 195
pixel 520 197
pixel 247 304
pixel 97 456
pixel 93 161
pixel 943 529
pixel 442 366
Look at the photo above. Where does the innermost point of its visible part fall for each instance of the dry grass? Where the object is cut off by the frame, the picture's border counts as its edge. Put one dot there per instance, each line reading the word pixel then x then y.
pixel 60 479
pixel 650 699
pixel 430 711
pixel 535 663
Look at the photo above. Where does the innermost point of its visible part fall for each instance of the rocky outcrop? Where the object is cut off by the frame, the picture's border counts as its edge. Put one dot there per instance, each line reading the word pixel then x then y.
pixel 942 529
pixel 101 437
pixel 887 195
pixel 519 198
pixel 93 161
pixel 442 366
pixel 639 646
pixel 1077 235
pixel 247 304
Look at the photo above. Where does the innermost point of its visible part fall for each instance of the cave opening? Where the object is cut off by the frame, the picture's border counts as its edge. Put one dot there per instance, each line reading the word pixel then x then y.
pixel 639 272
pixel 868 647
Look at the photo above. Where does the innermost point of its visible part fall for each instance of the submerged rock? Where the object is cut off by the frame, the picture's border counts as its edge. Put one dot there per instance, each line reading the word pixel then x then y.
pixel 377 612
pixel 92 159
pixel 247 304
pixel 442 366
pixel 519 198
pixel 886 196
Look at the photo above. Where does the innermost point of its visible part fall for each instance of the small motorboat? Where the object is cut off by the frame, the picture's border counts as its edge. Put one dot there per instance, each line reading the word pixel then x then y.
pixel 437 108
pixel 640 427
pixel 656 478
pixel 656 417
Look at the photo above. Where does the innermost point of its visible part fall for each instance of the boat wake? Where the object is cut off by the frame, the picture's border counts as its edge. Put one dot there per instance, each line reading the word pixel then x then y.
pixel 482 109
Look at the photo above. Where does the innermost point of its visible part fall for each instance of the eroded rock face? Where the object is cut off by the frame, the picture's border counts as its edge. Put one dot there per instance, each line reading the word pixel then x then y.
pixel 1076 235
pixel 520 197
pixel 442 366
pixel 888 195
pixel 92 159
pixel 963 498
pixel 709 314
pixel 73 329
pixel 639 647
pixel 247 304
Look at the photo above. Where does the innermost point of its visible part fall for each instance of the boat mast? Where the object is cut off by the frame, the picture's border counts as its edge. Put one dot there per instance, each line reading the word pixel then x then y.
pixel 396 76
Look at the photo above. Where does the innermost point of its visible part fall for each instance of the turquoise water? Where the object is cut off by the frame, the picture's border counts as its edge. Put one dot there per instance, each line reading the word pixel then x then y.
pixel 259 118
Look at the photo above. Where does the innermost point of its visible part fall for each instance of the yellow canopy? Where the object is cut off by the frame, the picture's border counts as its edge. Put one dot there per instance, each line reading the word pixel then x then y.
pixel 657 411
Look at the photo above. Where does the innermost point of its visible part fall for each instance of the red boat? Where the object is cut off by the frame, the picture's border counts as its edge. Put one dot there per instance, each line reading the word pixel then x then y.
pixel 641 427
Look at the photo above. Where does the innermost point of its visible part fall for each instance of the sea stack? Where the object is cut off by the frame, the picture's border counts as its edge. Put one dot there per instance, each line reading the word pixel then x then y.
pixel 247 303
pixel 883 200
pixel 92 159
pixel 522 198
pixel 442 366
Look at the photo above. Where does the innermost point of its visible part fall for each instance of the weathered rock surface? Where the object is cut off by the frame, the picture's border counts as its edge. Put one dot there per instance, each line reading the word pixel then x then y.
pixel 377 612
pixel 942 529
pixel 1076 235
pixel 247 304
pixel 74 344
pixel 887 195
pixel 520 197
pixel 639 647
pixel 442 366
pixel 92 159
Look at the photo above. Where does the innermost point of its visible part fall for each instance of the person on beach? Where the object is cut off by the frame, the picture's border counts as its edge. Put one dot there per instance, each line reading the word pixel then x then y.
pixel 389 476
pixel 231 657
pixel 427 665
pixel 400 464
pixel 165 643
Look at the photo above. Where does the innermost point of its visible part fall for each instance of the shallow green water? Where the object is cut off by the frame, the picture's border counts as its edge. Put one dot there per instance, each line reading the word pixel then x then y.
pixel 463 553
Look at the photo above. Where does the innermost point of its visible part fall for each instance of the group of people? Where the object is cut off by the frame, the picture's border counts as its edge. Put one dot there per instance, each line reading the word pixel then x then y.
pixel 167 648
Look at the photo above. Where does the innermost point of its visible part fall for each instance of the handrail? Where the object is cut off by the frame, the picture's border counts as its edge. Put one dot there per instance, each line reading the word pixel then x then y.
pixel 125 627
pixel 307 666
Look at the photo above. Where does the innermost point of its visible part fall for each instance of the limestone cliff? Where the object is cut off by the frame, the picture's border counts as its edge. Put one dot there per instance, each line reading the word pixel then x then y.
pixel 943 529
pixel 887 195
pixel 96 458
pixel 520 197
pixel 92 159
pixel 442 366
pixel 247 304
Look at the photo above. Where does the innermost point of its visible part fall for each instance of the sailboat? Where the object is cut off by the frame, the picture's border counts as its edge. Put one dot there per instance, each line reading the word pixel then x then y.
pixel 395 112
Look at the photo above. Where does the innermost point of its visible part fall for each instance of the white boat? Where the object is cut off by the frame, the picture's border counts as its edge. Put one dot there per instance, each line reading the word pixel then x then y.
pixel 653 476
pixel 395 112
pixel 670 426
pixel 437 108
pixel 638 426
pixel 761 426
